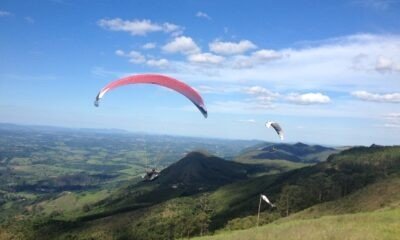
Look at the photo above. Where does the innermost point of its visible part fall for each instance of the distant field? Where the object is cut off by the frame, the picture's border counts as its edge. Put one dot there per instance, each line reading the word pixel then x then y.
pixel 44 162
pixel 361 226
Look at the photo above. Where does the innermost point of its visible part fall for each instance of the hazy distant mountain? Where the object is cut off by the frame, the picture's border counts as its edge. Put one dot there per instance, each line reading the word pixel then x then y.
pixel 299 152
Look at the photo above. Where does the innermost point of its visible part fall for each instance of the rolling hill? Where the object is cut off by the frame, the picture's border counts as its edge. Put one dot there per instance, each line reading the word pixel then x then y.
pixel 283 157
pixel 353 181
pixel 195 173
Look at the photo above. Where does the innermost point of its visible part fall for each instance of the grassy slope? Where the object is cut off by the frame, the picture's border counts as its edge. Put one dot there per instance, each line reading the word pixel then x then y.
pixel 275 165
pixel 375 215
pixel 385 193
pixel 69 204
pixel 362 226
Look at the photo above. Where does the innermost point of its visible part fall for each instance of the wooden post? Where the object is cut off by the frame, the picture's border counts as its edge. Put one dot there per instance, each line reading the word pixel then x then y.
pixel 259 208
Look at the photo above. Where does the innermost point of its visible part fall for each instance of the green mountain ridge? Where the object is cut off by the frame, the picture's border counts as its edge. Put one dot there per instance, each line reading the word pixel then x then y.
pixel 157 210
pixel 283 157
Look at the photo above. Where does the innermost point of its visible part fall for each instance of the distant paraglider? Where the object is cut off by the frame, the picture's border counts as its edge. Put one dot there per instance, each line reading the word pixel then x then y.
pixel 277 128
pixel 151 175
pixel 157 79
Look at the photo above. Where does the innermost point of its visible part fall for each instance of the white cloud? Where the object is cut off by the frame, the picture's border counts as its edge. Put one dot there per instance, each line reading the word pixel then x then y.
pixel 231 48
pixel 308 98
pixel 257 90
pixel 5 14
pixel 137 58
pixel 376 97
pixel 266 55
pixel 160 63
pixel 170 27
pixel 149 45
pixel 119 52
pixel 175 30
pixel 384 64
pixel 207 58
pixel 321 66
pixel 203 15
pixel 261 96
pixel 138 27
pixel 256 58
pixel 134 56
pixel 182 44
pixel 288 78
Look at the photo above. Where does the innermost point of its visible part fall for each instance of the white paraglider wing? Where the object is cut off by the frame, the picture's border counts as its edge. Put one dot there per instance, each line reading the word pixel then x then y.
pixel 277 128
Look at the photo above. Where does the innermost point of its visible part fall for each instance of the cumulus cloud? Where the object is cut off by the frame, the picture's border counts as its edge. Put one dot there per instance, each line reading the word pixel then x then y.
pixel 256 58
pixel 206 58
pixel 384 64
pixel 138 27
pixel 377 97
pixel 138 58
pixel 149 45
pixel 266 55
pixel 231 48
pixel 203 15
pixel 334 65
pixel 256 90
pixel 175 30
pixel 261 96
pixel 308 98
pixel 160 63
pixel 264 96
pixel 182 44
pixel 134 56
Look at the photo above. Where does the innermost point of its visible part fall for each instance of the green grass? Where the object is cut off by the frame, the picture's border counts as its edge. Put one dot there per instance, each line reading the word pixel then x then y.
pixel 361 226
pixel 385 193
pixel 69 205
pixel 275 165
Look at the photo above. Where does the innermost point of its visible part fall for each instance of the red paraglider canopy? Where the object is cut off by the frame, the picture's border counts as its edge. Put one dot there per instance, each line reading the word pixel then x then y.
pixel 161 80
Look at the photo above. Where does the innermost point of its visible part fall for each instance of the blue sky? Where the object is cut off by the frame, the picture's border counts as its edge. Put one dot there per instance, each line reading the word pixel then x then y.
pixel 328 71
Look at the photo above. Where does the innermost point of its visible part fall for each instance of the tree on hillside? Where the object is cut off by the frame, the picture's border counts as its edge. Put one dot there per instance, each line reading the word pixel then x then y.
pixel 203 215
pixel 292 199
